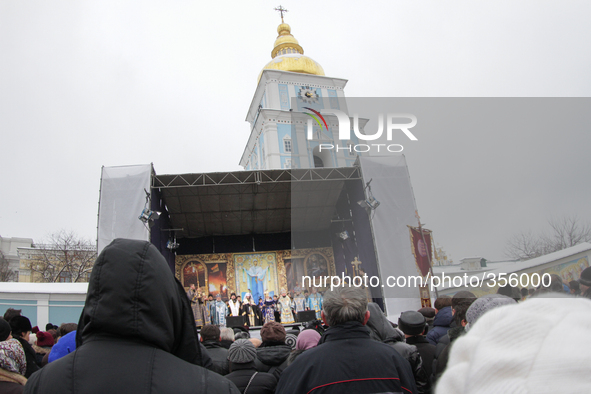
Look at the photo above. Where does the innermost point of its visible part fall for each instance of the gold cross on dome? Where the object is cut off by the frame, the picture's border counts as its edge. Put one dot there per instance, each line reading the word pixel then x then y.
pixel 281 10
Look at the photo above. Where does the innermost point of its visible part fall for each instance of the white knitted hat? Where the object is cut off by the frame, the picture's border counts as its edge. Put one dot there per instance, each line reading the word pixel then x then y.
pixel 537 346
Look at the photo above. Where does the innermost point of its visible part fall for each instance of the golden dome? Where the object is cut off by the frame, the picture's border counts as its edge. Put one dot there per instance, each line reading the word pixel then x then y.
pixel 288 55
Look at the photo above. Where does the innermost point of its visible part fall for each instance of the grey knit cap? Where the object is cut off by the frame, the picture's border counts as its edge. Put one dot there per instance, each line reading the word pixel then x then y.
pixel 242 351
pixel 484 304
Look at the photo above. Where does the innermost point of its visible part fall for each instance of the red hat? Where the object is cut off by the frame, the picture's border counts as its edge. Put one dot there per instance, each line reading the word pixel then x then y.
pixel 44 339
pixel 35 329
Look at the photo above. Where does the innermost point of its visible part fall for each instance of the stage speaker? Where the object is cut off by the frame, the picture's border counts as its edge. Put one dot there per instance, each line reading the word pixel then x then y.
pixel 235 321
pixel 306 316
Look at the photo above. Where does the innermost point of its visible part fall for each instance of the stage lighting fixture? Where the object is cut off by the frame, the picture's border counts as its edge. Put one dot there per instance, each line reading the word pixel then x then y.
pixel 363 204
pixel 172 245
pixel 370 203
pixel 148 216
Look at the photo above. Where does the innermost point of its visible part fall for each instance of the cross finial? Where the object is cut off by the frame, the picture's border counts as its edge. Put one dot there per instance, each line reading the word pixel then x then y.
pixel 281 10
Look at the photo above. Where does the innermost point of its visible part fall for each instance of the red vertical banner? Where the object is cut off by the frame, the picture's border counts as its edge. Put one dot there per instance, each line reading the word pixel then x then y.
pixel 421 248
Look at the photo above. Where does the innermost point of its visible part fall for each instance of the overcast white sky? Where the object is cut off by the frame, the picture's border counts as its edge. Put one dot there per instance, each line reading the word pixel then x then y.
pixel 85 84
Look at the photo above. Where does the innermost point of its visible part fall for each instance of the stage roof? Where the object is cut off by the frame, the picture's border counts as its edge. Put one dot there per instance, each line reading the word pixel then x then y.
pixel 253 202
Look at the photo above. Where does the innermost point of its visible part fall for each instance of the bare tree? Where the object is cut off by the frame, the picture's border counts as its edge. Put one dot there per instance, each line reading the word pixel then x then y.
pixel 6 274
pixel 562 233
pixel 65 258
pixel 568 231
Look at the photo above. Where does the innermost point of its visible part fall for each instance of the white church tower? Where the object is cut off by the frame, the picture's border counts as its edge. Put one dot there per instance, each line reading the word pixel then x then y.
pixel 290 89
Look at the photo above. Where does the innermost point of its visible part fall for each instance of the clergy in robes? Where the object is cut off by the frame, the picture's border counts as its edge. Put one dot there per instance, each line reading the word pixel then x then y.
pixel 209 309
pixel 299 302
pixel 234 305
pixel 260 320
pixel 196 305
pixel 315 302
pixel 220 310
pixel 284 305
pixel 248 309
pixel 277 314
pixel 268 310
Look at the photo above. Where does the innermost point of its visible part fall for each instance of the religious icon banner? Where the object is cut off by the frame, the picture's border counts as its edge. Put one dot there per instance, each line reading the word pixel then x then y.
pixel 425 296
pixel 256 273
pixel 421 248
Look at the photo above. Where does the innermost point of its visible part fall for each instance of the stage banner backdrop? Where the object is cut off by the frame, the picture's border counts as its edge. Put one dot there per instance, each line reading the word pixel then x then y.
pixel 255 272
pixel 122 199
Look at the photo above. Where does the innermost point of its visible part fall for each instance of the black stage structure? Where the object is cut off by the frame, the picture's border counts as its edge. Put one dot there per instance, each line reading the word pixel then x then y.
pixel 266 210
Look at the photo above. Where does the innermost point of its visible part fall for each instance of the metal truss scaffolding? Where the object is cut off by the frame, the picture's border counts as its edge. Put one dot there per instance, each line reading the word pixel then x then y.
pixel 251 202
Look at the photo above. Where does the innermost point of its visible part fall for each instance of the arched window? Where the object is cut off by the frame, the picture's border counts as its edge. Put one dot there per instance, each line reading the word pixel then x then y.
pixel 322 158
pixel 318 163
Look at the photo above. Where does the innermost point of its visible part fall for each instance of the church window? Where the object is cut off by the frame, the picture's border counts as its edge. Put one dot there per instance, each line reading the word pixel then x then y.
pixel 318 163
pixel 287 145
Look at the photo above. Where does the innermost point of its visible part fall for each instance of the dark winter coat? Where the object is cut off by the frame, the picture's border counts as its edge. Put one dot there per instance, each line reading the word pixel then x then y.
pixel 272 358
pixel 40 353
pixel 441 324
pixel 262 383
pixel 347 360
pixel 136 333
pixel 293 355
pixel 383 331
pixel 442 353
pixel 11 388
pixel 226 343
pixel 30 356
pixel 427 352
pixel 11 382
pixel 219 356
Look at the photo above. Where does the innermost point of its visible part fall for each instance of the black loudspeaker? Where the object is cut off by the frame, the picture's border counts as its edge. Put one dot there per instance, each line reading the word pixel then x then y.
pixel 235 321
pixel 306 316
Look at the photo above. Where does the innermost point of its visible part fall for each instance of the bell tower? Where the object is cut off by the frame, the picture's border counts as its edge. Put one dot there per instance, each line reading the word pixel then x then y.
pixel 291 89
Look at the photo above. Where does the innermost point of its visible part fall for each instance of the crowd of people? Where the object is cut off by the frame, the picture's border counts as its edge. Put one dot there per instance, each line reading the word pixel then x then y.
pixel 283 308
pixel 25 349
pixel 137 334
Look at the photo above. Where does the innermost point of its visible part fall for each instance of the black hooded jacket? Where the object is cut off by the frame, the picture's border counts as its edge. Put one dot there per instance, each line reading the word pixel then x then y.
pixel 382 330
pixel 272 358
pixel 136 333
pixel 30 356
